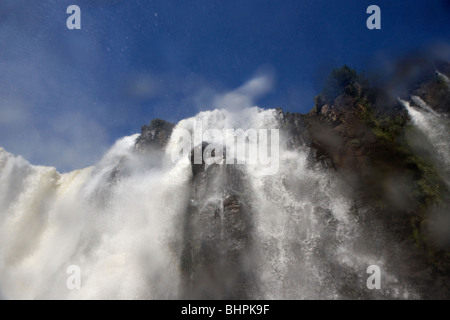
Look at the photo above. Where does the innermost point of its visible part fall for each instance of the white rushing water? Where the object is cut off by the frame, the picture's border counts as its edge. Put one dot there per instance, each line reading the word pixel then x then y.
pixel 125 231
pixel 435 127
pixel 444 78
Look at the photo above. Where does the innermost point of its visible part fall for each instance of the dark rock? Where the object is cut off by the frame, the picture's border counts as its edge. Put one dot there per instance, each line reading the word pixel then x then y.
pixel 198 167
pixel 363 141
pixel 156 135
pixel 366 144
pixel 435 92
pixel 216 258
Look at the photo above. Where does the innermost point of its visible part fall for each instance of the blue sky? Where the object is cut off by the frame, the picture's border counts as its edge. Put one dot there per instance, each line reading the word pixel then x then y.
pixel 67 95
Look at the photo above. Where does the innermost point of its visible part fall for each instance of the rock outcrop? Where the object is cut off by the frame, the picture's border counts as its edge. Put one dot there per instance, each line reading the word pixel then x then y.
pixel 366 143
pixel 216 258
pixel 353 132
pixel 155 135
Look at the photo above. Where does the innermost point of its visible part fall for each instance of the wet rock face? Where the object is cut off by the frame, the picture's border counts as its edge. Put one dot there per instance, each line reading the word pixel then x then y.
pixel 366 144
pixel 215 152
pixel 436 92
pixel 295 126
pixel 198 167
pixel 155 135
pixel 346 134
pixel 216 258
pixel 336 132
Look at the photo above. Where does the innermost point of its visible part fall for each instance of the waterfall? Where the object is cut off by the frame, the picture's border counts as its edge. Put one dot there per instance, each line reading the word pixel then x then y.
pixel 444 78
pixel 145 226
pixel 435 127
pixel 124 239
pixel 423 105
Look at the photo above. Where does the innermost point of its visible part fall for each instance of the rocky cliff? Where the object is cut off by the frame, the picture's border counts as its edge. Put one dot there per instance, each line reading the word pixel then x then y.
pixel 385 161
pixel 372 145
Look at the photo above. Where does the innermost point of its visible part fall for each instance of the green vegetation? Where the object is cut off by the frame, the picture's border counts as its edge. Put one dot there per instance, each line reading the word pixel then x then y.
pixel 390 153
pixel 416 233
pixel 428 187
pixel 389 128
pixel 390 132
pixel 355 143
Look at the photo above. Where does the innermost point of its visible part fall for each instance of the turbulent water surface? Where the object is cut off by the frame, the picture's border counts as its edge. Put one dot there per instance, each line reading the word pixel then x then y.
pixel 436 128
pixel 139 226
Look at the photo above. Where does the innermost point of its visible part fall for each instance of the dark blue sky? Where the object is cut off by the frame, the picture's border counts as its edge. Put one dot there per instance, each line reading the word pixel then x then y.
pixel 66 95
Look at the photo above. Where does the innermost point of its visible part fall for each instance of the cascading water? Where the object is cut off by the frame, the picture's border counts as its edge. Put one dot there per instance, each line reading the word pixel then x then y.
pixel 444 78
pixel 123 235
pixel 144 226
pixel 435 127
pixel 422 104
